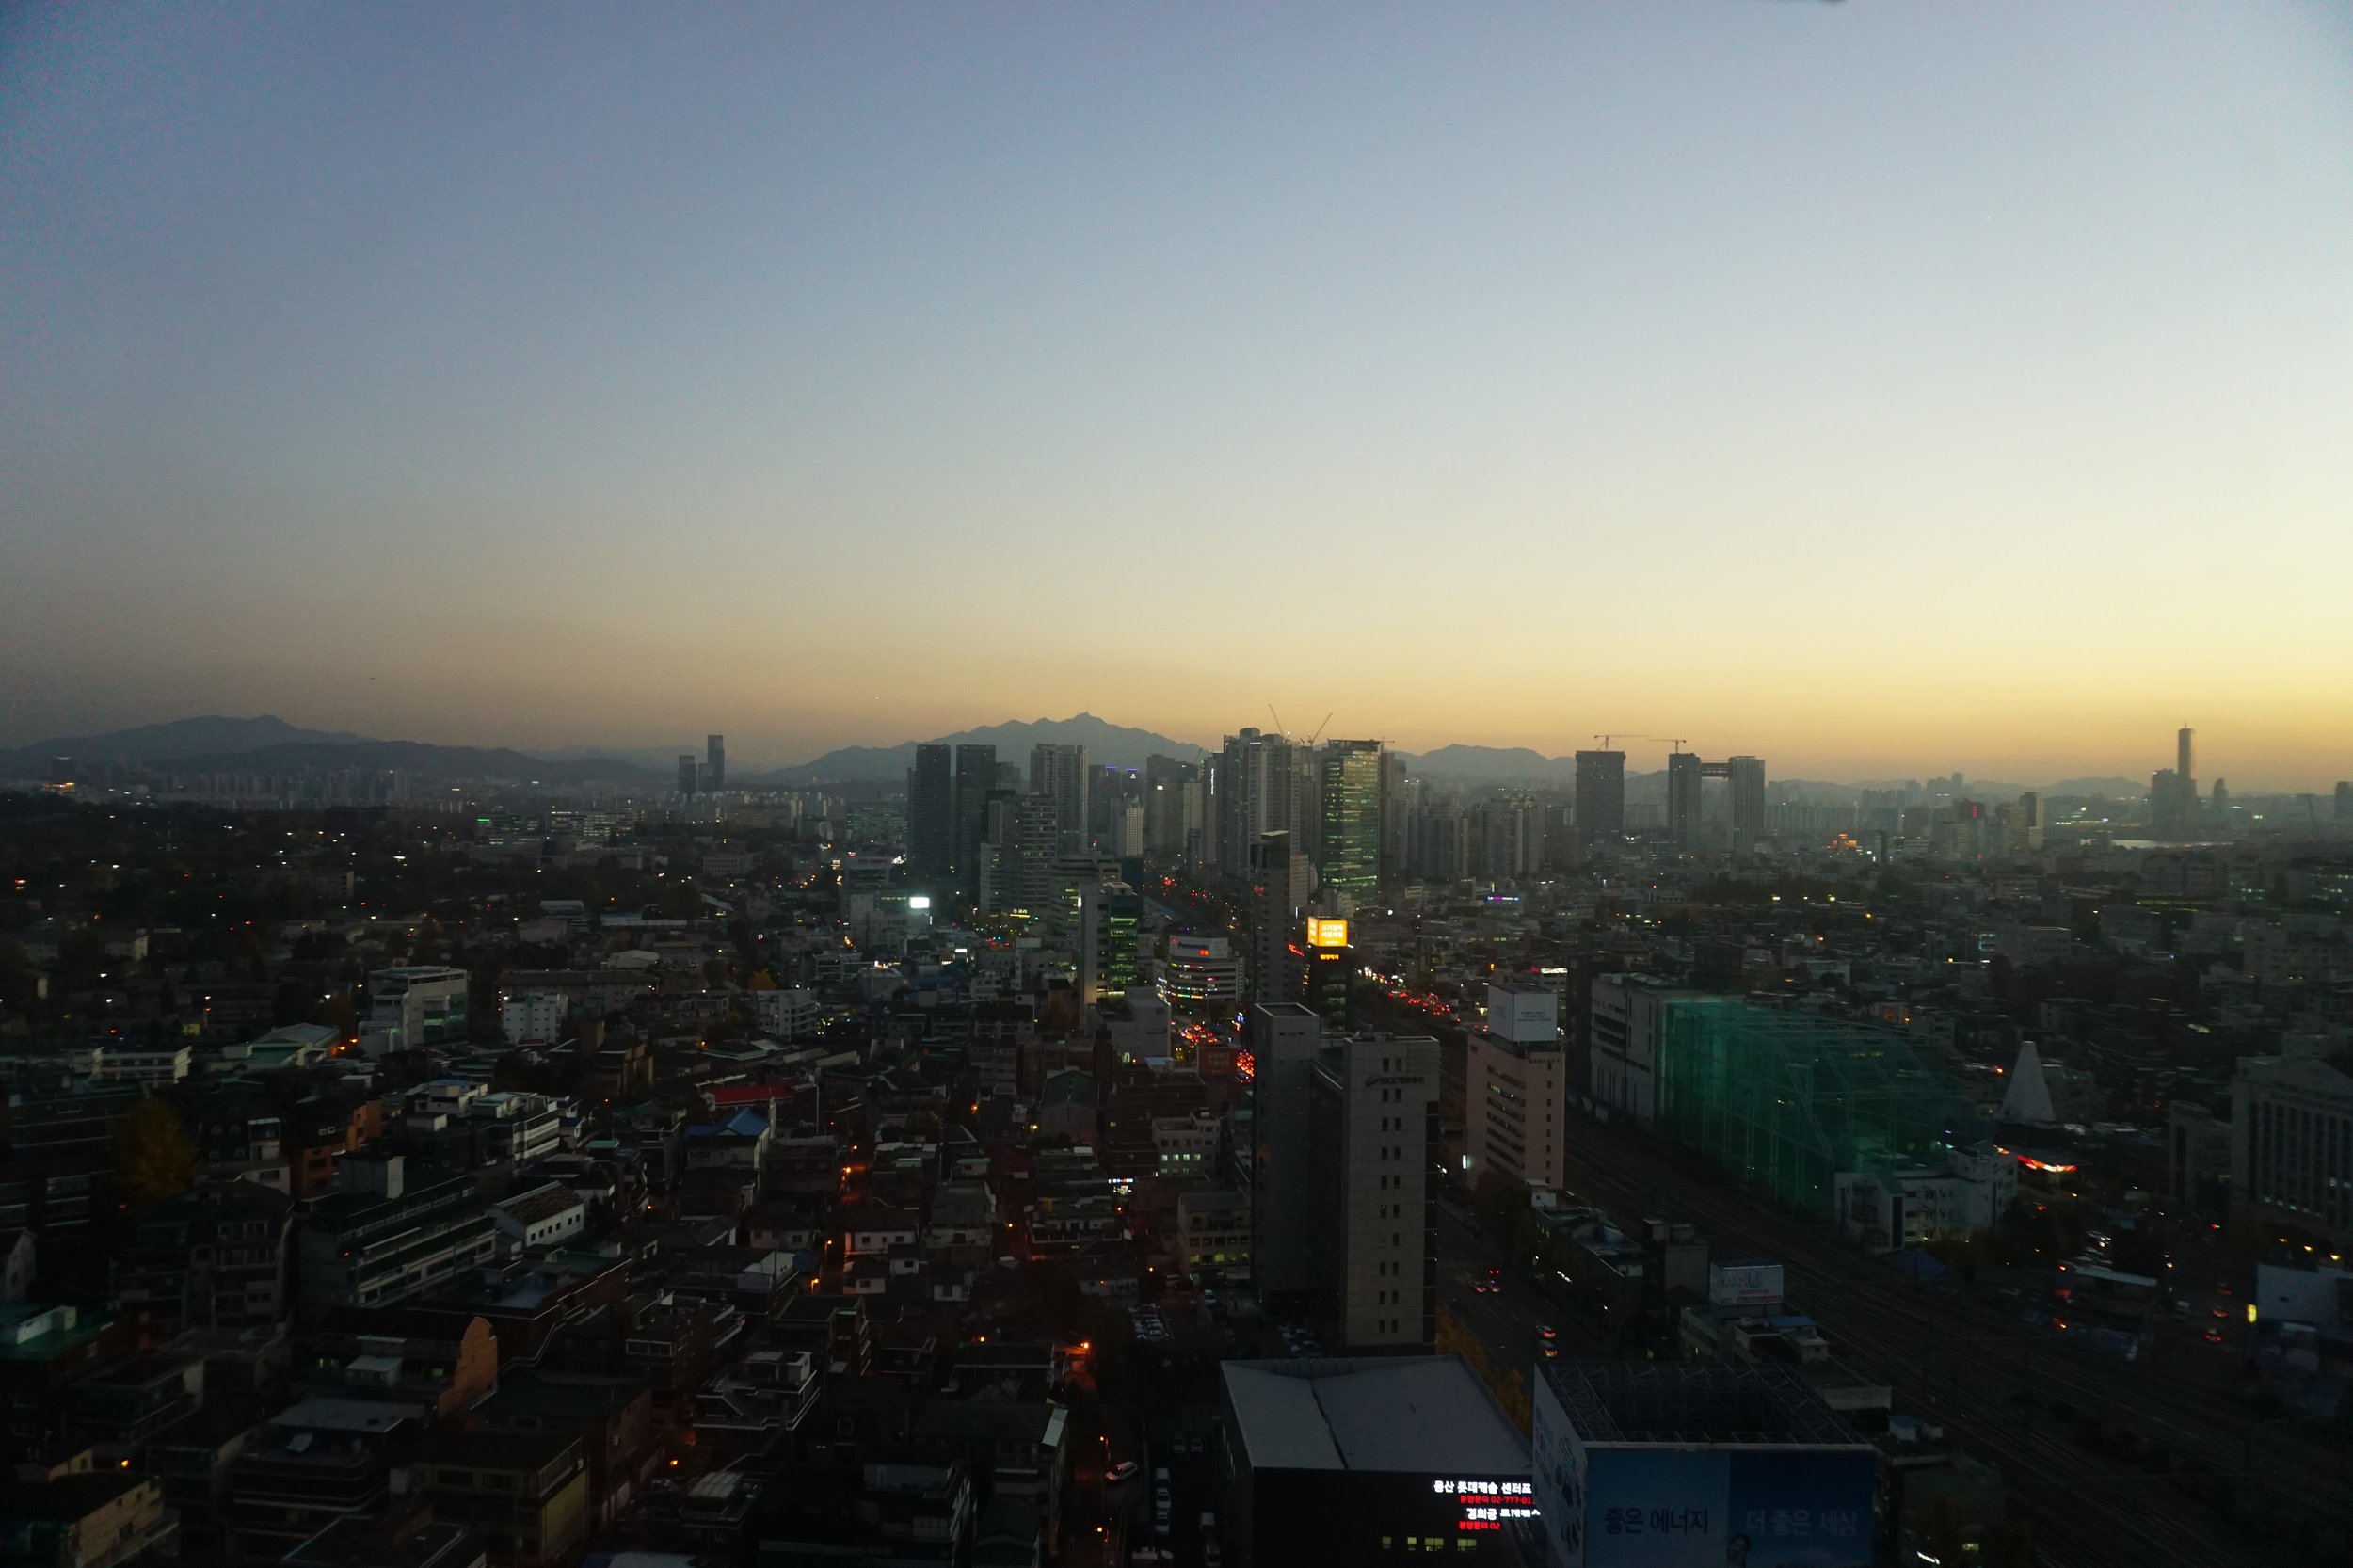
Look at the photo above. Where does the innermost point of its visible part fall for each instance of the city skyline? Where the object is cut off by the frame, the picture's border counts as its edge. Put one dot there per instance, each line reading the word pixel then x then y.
pixel 1645 754
pixel 1864 386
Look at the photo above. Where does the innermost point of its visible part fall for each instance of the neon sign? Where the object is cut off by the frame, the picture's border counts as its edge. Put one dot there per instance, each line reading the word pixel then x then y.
pixel 1487 1503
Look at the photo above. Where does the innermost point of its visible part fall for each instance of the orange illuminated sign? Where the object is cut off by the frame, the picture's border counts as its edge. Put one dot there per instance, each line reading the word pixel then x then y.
pixel 1323 933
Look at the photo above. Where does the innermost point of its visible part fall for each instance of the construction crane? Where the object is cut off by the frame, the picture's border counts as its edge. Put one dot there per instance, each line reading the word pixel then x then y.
pixel 1604 740
pixel 1319 734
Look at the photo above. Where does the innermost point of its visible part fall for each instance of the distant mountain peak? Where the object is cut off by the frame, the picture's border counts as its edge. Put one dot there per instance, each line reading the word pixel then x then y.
pixel 1112 744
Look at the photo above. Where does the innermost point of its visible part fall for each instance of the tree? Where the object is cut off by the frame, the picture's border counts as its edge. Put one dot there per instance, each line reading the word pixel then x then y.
pixel 154 1159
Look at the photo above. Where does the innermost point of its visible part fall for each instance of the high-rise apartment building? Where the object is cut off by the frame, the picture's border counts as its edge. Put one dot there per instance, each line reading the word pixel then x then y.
pixel 1516 1089
pixel 1059 775
pixel 976 777
pixel 1284 1037
pixel 2027 822
pixel 1373 1177
pixel 1018 858
pixel 1508 837
pixel 932 820
pixel 689 773
pixel 715 764
pixel 1683 800
pixel 1601 793
pixel 1439 843
pixel 1348 800
pixel 1172 809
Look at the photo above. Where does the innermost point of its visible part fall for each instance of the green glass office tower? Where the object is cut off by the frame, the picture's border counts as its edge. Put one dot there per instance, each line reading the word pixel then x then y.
pixel 1349 836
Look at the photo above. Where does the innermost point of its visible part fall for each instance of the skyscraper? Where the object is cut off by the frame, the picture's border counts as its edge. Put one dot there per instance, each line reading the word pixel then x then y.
pixel 976 776
pixel 1059 773
pixel 1601 793
pixel 1397 804
pixel 1277 965
pixel 688 772
pixel 714 762
pixel 1747 778
pixel 1257 793
pixel 1350 801
pixel 2173 793
pixel 931 819
pixel 1683 800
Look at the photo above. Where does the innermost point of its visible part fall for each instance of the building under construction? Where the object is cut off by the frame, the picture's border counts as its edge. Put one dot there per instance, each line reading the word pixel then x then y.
pixel 1790 1099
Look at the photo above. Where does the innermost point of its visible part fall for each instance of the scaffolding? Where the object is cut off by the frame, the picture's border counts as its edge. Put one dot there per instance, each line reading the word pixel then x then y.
pixel 1789 1099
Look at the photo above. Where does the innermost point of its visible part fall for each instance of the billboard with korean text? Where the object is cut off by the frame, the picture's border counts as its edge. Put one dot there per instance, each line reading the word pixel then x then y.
pixel 1727 1508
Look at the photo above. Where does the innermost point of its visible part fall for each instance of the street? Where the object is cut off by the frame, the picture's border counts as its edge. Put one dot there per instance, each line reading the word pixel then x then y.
pixel 1506 1322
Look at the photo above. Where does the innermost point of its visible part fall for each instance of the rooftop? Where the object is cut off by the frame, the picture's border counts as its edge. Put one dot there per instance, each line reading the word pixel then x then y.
pixel 347 1415
pixel 1609 1402
pixel 1416 1415
pixel 545 1203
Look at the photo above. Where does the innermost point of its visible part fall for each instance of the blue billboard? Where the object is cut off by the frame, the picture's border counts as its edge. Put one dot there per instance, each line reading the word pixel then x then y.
pixel 1728 1507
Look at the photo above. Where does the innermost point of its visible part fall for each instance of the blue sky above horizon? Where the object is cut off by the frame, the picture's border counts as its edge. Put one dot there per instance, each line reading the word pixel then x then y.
pixel 1880 388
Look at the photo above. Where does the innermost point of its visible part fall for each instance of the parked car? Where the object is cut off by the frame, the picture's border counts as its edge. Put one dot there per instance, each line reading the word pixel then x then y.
pixel 1124 1470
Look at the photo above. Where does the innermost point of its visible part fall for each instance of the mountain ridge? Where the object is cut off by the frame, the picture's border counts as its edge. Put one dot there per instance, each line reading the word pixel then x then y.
pixel 1107 745
pixel 267 744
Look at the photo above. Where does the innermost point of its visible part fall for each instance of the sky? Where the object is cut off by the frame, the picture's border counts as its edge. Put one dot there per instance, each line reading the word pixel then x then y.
pixel 1880 388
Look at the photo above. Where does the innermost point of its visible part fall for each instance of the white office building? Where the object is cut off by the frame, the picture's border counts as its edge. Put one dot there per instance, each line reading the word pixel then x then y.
pixel 1516 1089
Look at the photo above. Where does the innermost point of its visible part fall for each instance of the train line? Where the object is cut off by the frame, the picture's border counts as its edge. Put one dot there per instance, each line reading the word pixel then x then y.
pixel 2085 1509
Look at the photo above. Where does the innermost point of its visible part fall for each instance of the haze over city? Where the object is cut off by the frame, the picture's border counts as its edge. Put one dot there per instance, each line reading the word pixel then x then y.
pixel 1112 786
pixel 1887 389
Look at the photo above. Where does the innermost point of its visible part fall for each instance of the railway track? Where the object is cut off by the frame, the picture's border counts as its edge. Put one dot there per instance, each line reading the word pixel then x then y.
pixel 2087 1510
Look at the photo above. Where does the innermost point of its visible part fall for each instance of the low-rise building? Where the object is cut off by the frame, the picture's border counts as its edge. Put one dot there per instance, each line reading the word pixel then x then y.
pixel 381 1240
pixel 543 1217
pixel 319 1462
pixel 109 1518
pixel 525 1493
pixel 412 1006
pixel 1213 1229
pixel 613 1417
pixel 213 1257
